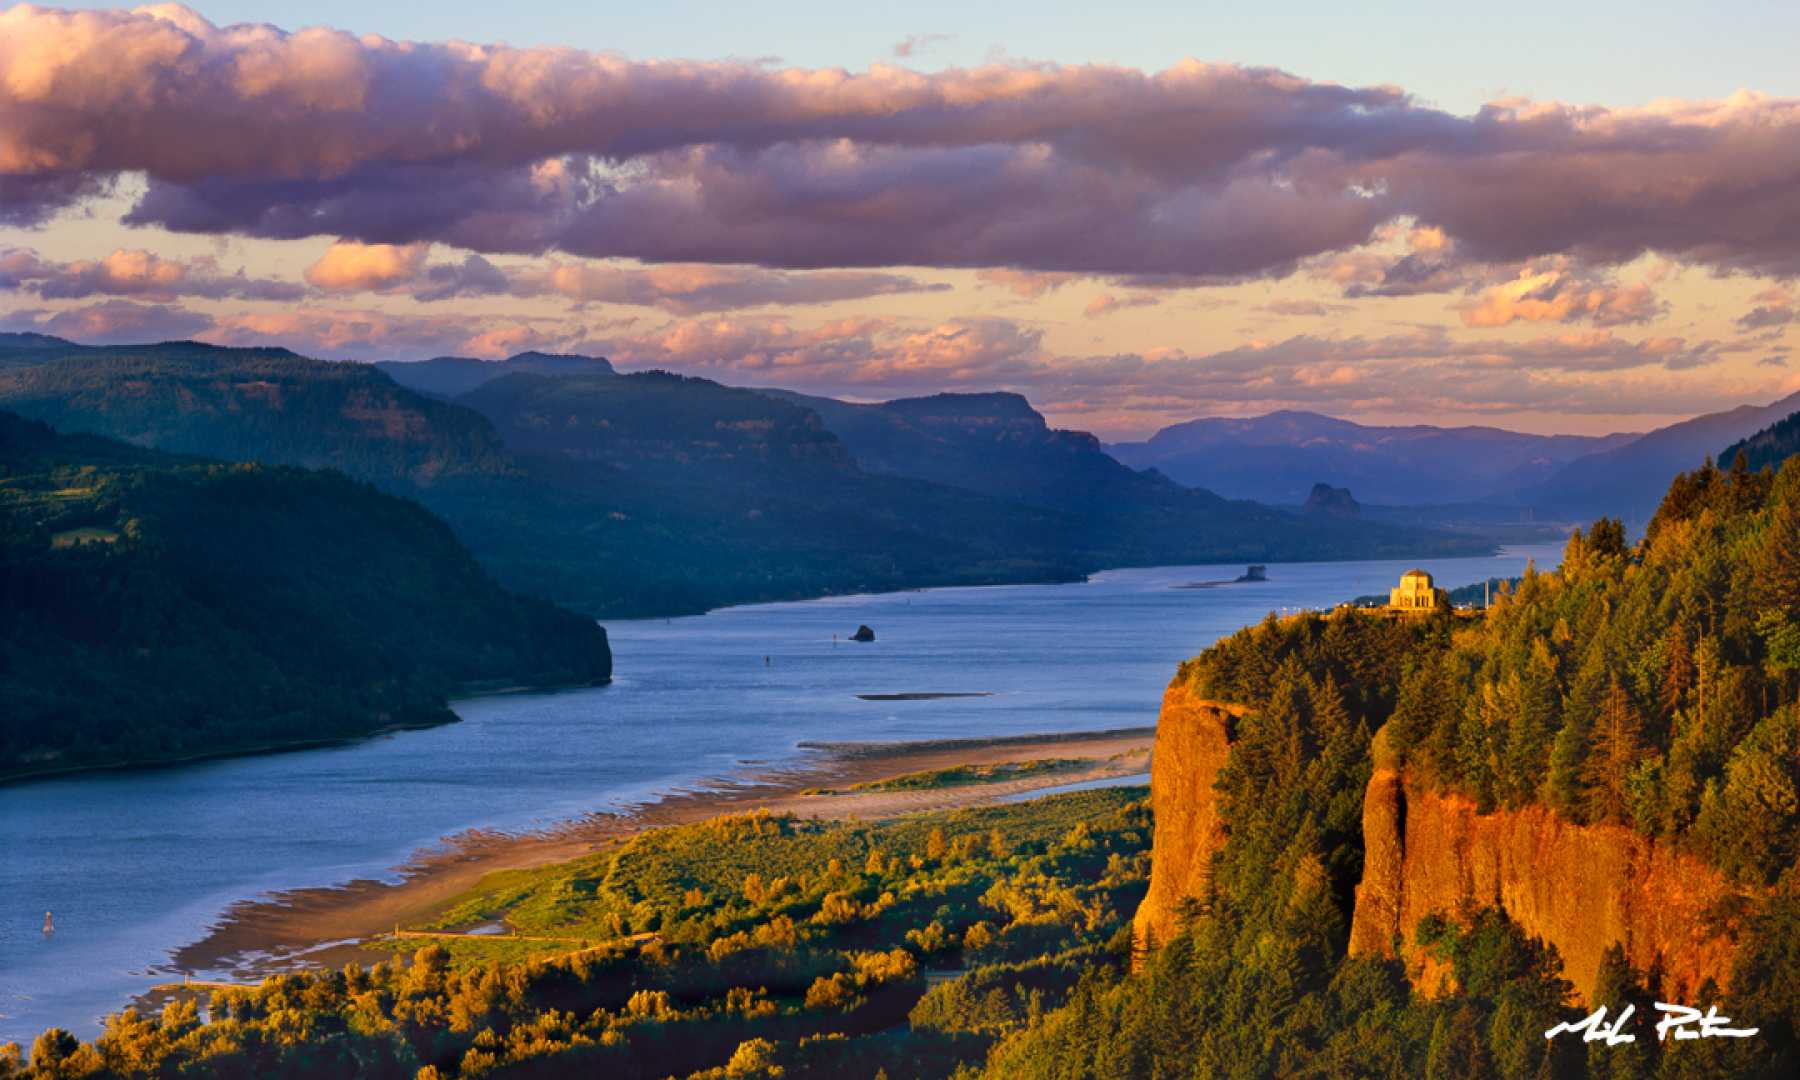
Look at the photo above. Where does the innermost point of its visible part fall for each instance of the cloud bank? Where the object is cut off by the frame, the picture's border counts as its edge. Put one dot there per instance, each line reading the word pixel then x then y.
pixel 1200 170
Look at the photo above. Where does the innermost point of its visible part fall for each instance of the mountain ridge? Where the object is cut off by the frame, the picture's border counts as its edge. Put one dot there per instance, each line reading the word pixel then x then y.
pixel 1278 456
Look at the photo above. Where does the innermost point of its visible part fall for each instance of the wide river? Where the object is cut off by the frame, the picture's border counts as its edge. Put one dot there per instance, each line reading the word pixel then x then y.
pixel 137 863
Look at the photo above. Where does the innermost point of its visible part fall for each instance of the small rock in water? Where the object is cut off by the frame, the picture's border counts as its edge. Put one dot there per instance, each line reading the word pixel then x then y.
pixel 863 633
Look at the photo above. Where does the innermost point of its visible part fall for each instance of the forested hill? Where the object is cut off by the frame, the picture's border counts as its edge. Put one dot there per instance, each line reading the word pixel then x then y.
pixel 249 405
pixel 660 424
pixel 1648 688
pixel 1628 481
pixel 154 607
pixel 1770 446
pixel 993 443
pixel 452 376
pixel 654 494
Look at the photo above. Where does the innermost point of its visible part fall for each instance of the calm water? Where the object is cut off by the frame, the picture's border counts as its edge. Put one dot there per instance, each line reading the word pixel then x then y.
pixel 135 864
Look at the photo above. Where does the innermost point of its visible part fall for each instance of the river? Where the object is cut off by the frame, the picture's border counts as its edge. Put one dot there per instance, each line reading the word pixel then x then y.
pixel 137 863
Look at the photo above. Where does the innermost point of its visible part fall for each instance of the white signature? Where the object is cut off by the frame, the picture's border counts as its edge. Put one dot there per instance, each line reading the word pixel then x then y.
pixel 1676 1018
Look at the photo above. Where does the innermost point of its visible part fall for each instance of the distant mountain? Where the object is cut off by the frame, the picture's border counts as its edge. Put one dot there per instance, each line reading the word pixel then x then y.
pixel 1629 481
pixel 998 445
pixel 154 606
pixel 22 342
pixel 993 443
pixel 453 376
pixel 658 423
pixel 653 494
pixel 1279 457
pixel 1327 501
pixel 1770 446
pixel 251 405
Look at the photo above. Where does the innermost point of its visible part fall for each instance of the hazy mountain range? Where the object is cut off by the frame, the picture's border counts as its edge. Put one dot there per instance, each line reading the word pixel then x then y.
pixel 1629 481
pixel 652 493
pixel 1280 457
pixel 1283 454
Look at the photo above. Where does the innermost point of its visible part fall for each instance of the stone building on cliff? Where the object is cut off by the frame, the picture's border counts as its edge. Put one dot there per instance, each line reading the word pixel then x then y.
pixel 1417 593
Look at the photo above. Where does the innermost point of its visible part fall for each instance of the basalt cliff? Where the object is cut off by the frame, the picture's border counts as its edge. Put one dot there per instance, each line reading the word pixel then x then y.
pixel 1580 888
pixel 1193 740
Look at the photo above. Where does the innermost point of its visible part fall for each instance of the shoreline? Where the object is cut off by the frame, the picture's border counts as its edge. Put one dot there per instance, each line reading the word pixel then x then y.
pixel 468 692
pixel 326 926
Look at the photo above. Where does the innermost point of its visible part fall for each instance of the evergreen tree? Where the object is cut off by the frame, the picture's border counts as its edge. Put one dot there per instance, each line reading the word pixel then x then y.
pixel 1616 746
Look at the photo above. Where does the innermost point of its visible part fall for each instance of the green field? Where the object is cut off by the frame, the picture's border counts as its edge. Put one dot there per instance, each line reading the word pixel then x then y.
pixel 958 775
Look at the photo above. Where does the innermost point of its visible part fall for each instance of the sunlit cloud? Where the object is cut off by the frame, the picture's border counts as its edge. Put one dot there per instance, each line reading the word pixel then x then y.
pixel 352 267
pixel 110 322
pixel 1199 170
pixel 134 272
pixel 1555 295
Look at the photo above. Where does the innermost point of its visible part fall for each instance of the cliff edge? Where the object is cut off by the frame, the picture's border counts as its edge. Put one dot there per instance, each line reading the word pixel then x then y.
pixel 1193 739
pixel 1581 888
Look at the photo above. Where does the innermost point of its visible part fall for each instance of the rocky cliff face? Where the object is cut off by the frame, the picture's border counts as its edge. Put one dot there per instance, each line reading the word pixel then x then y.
pixel 1193 739
pixel 1579 887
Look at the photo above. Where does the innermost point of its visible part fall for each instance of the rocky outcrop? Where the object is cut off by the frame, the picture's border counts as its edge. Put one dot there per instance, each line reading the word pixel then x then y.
pixel 1193 739
pixel 1580 888
pixel 1328 501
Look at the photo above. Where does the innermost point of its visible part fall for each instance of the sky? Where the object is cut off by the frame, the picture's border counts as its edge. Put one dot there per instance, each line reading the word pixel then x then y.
pixel 1571 217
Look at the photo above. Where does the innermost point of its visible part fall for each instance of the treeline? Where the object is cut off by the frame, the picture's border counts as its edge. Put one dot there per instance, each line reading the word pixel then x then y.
pixel 153 607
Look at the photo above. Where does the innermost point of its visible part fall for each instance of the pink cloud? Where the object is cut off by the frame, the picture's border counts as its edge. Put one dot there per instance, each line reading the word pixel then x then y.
pixel 1775 306
pixel 1303 308
pixel 1554 295
pixel 351 267
pixel 136 273
pixel 687 288
pixel 359 334
pixel 1577 370
pixel 1199 171
pixel 914 44
pixel 1026 283
pixel 111 322
pixel 1107 304
pixel 680 288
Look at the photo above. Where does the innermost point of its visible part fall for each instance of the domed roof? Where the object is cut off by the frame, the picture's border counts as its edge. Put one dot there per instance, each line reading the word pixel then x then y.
pixel 1415 575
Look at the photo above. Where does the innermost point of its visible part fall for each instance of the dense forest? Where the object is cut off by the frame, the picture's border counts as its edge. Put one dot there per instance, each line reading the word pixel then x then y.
pixel 155 607
pixel 1771 446
pixel 267 405
pixel 1649 685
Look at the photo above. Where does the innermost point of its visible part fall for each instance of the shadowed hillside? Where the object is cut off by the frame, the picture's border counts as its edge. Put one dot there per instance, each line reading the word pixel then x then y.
pixel 998 445
pixel 656 494
pixel 452 376
pixel 251 404
pixel 158 606
pixel 1769 447
pixel 1628 481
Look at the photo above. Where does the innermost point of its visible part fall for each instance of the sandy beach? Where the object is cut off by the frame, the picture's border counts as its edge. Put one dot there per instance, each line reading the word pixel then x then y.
pixel 325 927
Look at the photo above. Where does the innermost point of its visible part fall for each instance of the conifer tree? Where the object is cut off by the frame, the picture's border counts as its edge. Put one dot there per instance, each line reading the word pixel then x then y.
pixel 1615 747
